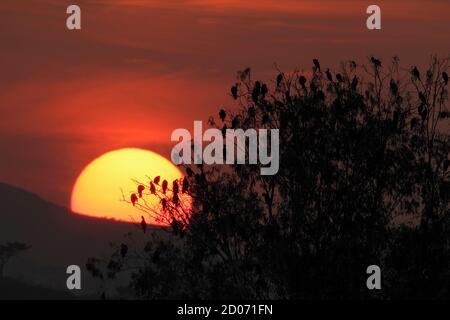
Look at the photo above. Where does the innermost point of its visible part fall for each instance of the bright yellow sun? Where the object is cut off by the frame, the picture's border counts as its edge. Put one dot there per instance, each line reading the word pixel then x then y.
pixel 97 191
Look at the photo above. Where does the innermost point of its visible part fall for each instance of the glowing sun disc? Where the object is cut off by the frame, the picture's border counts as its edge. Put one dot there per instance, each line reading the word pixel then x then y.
pixel 97 190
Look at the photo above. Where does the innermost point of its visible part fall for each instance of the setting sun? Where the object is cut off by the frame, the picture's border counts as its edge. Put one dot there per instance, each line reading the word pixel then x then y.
pixel 98 189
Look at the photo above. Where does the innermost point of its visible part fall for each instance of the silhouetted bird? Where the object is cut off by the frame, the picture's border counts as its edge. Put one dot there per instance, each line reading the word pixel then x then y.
pixel 175 186
pixel 164 203
pixel 316 64
pixel 257 86
pixel 339 77
pixel 416 74
pixel 152 188
pixel 376 62
pixel 140 189
pixel 222 114
pixel 134 199
pixel 445 77
pixel 175 199
pixel 123 250
pixel 185 185
pixel 354 83
pixel 279 79
pixel 264 90
pixel 302 81
pixel 143 224
pixel 329 75
pixel 156 180
pixel 164 186
pixel 234 92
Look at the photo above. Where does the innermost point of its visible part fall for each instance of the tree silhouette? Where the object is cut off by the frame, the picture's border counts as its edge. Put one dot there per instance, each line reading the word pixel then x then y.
pixel 364 179
pixel 10 250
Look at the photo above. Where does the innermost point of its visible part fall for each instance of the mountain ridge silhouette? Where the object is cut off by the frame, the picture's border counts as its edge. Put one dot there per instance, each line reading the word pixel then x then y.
pixel 58 237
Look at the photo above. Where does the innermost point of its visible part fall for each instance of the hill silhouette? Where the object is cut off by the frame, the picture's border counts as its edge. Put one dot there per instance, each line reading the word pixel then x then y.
pixel 58 238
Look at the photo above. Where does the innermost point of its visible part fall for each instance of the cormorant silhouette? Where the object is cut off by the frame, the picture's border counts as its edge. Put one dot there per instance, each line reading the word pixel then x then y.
pixel 279 79
pixel 156 180
pixel 376 62
pixel 445 77
pixel 164 186
pixel 143 224
pixel 134 199
pixel 222 114
pixel 185 185
pixel 152 188
pixel 415 72
pixel 175 187
pixel 316 64
pixel 264 90
pixel 302 81
pixel 140 189
pixel 234 92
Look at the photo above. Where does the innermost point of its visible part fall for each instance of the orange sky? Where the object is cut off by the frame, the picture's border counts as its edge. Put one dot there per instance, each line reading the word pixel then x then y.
pixel 139 69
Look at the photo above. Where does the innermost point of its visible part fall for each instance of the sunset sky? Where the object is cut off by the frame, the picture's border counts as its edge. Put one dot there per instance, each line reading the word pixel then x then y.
pixel 140 69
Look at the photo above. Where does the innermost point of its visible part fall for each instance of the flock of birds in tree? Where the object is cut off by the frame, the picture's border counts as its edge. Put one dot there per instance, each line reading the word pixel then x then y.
pixel 261 90
pixel 134 198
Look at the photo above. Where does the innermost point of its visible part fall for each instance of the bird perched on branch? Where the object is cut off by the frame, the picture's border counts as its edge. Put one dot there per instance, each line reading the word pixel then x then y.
pixel 302 81
pixel 140 189
pixel 234 92
pixel 143 224
pixel 316 64
pixel 445 77
pixel 185 185
pixel 165 184
pixel 222 114
pixel 152 188
pixel 279 79
pixel 416 74
pixel 376 62
pixel 134 199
